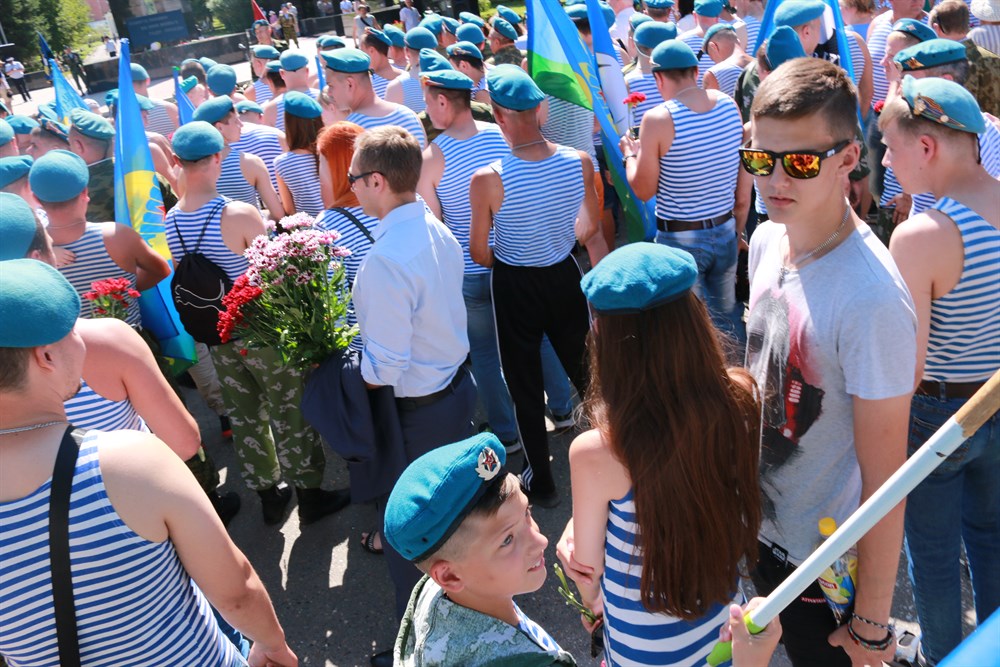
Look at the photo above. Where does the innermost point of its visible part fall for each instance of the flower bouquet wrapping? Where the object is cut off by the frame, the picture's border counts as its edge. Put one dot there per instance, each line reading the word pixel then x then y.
pixel 111 297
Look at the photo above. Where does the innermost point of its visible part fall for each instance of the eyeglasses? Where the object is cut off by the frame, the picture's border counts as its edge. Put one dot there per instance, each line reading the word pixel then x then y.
pixel 351 179
pixel 797 164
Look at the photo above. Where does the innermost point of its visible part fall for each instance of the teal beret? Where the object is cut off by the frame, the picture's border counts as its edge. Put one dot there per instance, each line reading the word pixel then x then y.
pixel 504 27
pixel 432 61
pixel 259 22
pixel 6 132
pixel 421 38
pixel 944 102
pixel 13 168
pixel 139 72
pixel 47 110
pixel 21 124
pixel 651 34
pixel 301 105
pixel 469 17
pixel 196 140
pixel 54 127
pixel 450 24
pixel 273 65
pixel 187 61
pixel 91 125
pixel 467 49
pixel 660 4
pixel 709 8
pixel 17 220
pixel 798 12
pixel 433 23
pixel 145 103
pixel 608 13
pixel 783 45
pixel 638 19
pixel 111 97
pixel 221 79
pixel 512 88
pixel 914 28
pixel 470 32
pixel 38 306
pixel 672 54
pixel 246 105
pixel 379 35
pixel 931 53
pixel 330 42
pixel 446 78
pixel 188 84
pixel 508 14
pixel 293 60
pixel 266 51
pixel 437 491
pixel 715 30
pixel 58 176
pixel 396 36
pixel 207 63
pixel 348 61
pixel 576 12
pixel 639 276
pixel 213 110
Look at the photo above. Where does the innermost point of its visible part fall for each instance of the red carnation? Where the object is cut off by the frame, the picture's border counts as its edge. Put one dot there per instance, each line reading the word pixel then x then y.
pixel 879 105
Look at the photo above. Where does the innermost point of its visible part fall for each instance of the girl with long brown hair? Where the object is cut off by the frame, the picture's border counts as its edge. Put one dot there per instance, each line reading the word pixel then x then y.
pixel 666 504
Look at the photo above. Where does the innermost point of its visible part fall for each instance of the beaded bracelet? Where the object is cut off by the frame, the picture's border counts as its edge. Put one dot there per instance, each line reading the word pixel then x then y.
pixel 876 647
pixel 870 622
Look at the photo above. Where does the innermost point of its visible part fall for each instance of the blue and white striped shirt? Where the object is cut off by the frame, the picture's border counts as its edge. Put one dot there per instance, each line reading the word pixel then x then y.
pixel 159 121
pixel 92 263
pixel 638 82
pixel 402 116
pixel 379 84
pixel 693 39
pixel 878 33
pixel 89 410
pixel 570 125
pixel 262 91
pixel 726 74
pixel 752 24
pixel 300 173
pixel 413 92
pixel 263 141
pixel 462 158
pixel 189 225
pixel 232 183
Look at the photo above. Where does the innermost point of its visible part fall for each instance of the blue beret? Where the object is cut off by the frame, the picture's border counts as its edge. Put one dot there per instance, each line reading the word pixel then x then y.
pixel 301 105
pixel 21 124
pixel 329 42
pixel 187 61
pixel 273 65
pixel 708 8
pixel 91 125
pixel 111 97
pixel 420 38
pixel 293 60
pixel 928 54
pixel 914 28
pixel 608 13
pixel 54 127
pixel 446 78
pixel 576 12
pixel 379 35
pixel 470 32
pixel 6 132
pixel 512 88
pixel 639 276
pixel 638 19
pixel 715 30
pixel 504 27
pixel 221 79
pixel 798 12
pixel 13 168
pixel 469 17
pixel 207 63
pixel 38 306
pixel 651 34
pixel 246 105
pixel 450 24
pixel 672 54
pixel 437 491
pixel 196 140
pixel 265 51
pixel 145 103
pixel 433 23
pixel 213 110
pixel 139 72
pixel 188 84
pixel 944 102
pixel 432 61
pixel 260 22
pixel 47 110
pixel 508 14
pixel 58 176
pixel 467 49
pixel 660 4
pixel 396 36
pixel 17 220
pixel 783 45
pixel 348 61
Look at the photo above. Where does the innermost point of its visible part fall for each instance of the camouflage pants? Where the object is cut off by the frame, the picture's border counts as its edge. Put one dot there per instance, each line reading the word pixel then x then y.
pixel 272 439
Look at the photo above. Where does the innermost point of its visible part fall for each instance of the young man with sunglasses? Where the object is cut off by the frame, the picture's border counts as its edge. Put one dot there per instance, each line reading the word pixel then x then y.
pixel 832 345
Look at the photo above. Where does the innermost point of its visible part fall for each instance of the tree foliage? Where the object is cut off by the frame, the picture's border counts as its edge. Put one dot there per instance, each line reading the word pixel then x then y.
pixel 235 15
pixel 63 22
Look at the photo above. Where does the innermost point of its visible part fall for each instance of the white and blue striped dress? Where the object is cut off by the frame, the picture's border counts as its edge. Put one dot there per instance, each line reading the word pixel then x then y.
pixel 402 116
pixel 726 75
pixel 634 636
pixel 541 201
pixel 94 263
pixel 263 141
pixel 262 91
pixel 188 225
pixel 964 342
pixel 279 121
pixel 638 82
pixel 694 40
pixel 135 603
pixel 232 183
pixel 698 174
pixel 89 410
pixel 570 125
pixel 462 158
pixel 300 173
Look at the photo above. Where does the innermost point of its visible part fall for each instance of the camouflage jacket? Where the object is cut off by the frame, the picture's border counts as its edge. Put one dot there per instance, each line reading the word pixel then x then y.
pixel 508 55
pixel 101 189
pixel 436 632
pixel 984 77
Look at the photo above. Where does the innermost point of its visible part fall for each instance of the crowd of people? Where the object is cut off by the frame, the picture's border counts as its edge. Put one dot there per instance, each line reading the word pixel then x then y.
pixel 821 292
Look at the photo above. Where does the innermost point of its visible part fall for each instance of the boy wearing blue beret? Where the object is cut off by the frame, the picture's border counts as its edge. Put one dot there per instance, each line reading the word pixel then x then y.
pixel 463 520
pixel 295 72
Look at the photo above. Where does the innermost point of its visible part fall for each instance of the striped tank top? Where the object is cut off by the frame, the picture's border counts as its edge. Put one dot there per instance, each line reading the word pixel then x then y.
pixel 379 85
pixel 135 603
pixel 752 24
pixel 634 636
pixel 89 410
pixel 279 120
pixel 638 82
pixel 94 263
pixel 402 116
pixel 300 173
pixel 694 40
pixel 262 91
pixel 264 142
pixel 857 57
pixel 570 125
pixel 541 201
pixel 698 173
pixel 232 183
pixel 159 121
pixel 413 93
pixel 726 73
pixel 462 158
pixel 188 225
pixel 964 343
pixel 877 35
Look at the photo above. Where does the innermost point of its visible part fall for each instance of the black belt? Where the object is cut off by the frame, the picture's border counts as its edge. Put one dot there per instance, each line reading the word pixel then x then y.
pixel 691 225
pixel 413 403
pixel 948 390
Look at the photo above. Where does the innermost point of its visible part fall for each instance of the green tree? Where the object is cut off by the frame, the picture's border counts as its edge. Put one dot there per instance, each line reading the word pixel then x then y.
pixel 19 24
pixel 235 15
pixel 64 23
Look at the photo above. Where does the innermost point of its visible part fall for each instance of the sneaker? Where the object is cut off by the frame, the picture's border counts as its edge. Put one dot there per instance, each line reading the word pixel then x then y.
pixel 563 423
pixel 226 427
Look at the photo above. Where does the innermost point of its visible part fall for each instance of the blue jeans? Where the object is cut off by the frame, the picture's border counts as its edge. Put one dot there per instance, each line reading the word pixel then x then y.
pixel 959 501
pixel 715 252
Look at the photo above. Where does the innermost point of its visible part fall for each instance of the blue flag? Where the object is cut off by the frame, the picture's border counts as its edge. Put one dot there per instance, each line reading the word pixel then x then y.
pixel 831 15
pixel 47 55
pixel 320 74
pixel 67 98
pixel 185 109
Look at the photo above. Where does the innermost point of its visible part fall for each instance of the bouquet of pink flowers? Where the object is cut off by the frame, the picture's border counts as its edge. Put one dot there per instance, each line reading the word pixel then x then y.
pixel 294 295
pixel 111 297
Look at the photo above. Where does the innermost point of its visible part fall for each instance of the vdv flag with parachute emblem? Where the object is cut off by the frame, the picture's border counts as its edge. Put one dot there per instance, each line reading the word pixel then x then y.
pixel 139 202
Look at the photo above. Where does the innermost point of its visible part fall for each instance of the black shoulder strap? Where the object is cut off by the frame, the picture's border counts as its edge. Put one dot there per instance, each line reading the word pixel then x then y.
pixel 357 223
pixel 62 581
pixel 204 227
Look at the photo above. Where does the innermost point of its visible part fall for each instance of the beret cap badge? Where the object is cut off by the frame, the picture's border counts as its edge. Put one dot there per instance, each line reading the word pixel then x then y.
pixel 488 465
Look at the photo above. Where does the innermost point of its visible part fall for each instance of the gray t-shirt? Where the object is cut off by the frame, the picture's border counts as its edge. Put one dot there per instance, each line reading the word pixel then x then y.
pixel 841 327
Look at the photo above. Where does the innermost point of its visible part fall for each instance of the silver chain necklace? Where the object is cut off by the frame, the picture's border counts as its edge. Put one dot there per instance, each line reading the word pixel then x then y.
pixel 785 270
pixel 530 143
pixel 23 429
